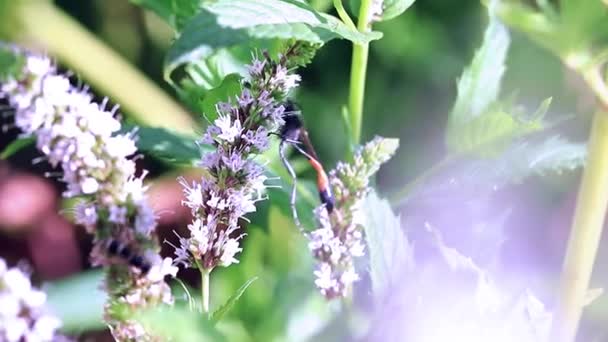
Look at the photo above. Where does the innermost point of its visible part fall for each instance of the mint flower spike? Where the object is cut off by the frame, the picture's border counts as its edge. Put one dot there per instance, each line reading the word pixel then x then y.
pixel 82 138
pixel 23 312
pixel 234 181
pixel 338 240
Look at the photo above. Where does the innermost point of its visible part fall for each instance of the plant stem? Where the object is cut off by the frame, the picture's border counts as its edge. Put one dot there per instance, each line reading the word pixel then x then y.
pixel 357 74
pixel 585 234
pixel 44 24
pixel 205 291
pixel 343 15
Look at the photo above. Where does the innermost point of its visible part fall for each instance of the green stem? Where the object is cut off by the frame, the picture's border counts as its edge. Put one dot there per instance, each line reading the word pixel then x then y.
pixel 343 15
pixel 585 234
pixel 589 215
pixel 357 74
pixel 44 24
pixel 205 290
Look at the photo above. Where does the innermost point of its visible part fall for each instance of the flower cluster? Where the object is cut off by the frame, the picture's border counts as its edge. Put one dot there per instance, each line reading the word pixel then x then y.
pixel 83 138
pixel 338 240
pixel 23 315
pixel 234 181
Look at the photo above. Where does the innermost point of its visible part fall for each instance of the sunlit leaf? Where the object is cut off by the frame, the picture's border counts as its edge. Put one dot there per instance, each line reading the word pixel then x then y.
pixel 178 324
pixel 390 253
pixel 394 8
pixel 227 91
pixel 226 23
pixel 16 146
pixel 492 131
pixel 520 160
pixel 222 310
pixel 11 63
pixel 169 146
pixel 175 12
pixel 78 301
pixel 479 85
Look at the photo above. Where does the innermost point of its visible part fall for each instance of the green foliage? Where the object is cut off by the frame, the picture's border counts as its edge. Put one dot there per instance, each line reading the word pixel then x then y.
pixel 11 63
pixel 227 91
pixel 78 301
pixel 226 23
pixel 390 254
pixel 168 146
pixel 218 314
pixel 15 146
pixel 478 89
pixel 491 132
pixel 175 12
pixel 572 31
pixel 519 161
pixel 178 324
pixel 394 8
pixel 209 75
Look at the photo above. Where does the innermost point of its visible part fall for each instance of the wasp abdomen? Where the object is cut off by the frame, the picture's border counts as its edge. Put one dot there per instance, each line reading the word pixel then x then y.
pixel 116 248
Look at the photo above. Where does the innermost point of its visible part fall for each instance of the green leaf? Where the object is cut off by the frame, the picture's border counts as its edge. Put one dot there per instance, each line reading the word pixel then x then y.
pixel 178 324
pixel 390 253
pixel 175 12
pixel 226 23
pixel 169 146
pixel 222 310
pixel 519 161
pixel 15 146
pixel 226 91
pixel 11 62
pixel 393 8
pixel 491 132
pixel 78 301
pixel 479 84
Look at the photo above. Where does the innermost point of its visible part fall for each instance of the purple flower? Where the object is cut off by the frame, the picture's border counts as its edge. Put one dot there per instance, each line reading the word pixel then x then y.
pixel 23 312
pixel 338 240
pixel 234 162
pixel 234 182
pixel 79 136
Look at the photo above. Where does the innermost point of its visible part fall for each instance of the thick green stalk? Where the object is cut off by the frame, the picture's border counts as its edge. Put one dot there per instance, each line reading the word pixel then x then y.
pixel 41 23
pixel 358 72
pixel 585 235
pixel 205 291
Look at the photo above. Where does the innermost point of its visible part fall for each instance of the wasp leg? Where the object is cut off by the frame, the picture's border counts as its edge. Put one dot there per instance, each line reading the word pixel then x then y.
pixel 292 173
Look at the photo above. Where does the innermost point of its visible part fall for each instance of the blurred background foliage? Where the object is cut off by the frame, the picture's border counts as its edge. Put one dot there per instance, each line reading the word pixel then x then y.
pixel 411 88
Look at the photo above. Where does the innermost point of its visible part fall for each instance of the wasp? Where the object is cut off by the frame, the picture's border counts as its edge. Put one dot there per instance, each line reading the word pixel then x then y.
pixel 293 133
pixel 121 250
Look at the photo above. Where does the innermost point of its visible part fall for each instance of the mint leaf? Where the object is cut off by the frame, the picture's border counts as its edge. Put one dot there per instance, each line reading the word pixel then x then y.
pixel 498 127
pixel 226 23
pixel 175 12
pixel 11 62
pixel 178 324
pixel 222 310
pixel 78 301
pixel 479 84
pixel 225 92
pixel 15 146
pixel 390 253
pixel 394 8
pixel 168 146
pixel 520 160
